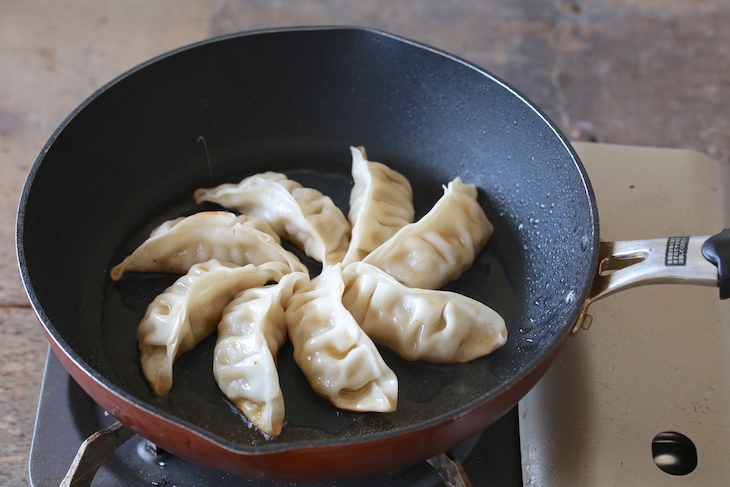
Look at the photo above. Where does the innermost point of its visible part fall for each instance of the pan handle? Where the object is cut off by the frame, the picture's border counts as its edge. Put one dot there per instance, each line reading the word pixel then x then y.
pixel 717 250
pixel 675 260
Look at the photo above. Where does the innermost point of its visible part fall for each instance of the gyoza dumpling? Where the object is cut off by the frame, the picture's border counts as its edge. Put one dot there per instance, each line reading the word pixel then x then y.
pixel 381 203
pixel 189 311
pixel 301 215
pixel 250 334
pixel 178 244
pixel 420 324
pixel 339 360
pixel 440 246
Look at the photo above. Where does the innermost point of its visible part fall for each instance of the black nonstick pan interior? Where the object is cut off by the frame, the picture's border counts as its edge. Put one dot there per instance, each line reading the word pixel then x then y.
pixel 294 101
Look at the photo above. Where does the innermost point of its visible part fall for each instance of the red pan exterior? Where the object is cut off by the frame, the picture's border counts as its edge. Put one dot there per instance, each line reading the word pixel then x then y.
pixel 317 464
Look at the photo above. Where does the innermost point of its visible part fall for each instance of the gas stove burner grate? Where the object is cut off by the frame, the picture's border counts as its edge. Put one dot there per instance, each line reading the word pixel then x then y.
pixel 67 417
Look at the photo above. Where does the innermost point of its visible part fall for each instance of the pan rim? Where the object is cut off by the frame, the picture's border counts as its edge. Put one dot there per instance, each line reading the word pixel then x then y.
pixel 267 448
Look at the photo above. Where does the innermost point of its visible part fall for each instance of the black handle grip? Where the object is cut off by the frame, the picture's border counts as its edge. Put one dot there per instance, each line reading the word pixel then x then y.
pixel 717 250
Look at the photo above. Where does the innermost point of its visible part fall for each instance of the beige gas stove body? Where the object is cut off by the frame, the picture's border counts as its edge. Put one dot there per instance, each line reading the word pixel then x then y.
pixel 656 358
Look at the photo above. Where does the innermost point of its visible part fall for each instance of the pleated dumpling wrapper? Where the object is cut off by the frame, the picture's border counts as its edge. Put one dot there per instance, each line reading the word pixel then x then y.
pixel 440 246
pixel 381 203
pixel 250 335
pixel 178 244
pixel 189 311
pixel 341 363
pixel 304 216
pixel 420 324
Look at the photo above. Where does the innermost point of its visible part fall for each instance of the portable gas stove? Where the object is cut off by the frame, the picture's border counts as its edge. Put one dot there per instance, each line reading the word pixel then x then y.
pixel 640 399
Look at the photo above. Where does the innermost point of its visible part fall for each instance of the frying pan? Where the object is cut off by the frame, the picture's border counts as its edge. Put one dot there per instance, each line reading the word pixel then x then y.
pixel 294 100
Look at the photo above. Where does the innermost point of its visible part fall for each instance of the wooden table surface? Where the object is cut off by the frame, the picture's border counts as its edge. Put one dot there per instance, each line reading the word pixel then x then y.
pixel 637 72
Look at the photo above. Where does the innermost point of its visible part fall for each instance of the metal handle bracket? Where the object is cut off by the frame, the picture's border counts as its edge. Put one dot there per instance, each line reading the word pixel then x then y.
pixel 626 264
